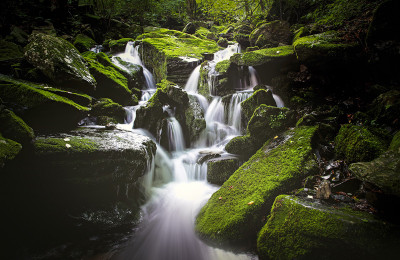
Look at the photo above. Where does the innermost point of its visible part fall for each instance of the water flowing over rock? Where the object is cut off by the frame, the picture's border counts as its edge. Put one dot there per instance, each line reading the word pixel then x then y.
pixel 60 62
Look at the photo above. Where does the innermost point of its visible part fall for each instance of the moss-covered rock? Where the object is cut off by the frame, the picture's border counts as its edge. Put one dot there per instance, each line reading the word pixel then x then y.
pixel 234 213
pixel 205 34
pixel 172 54
pixel 9 149
pixel 111 83
pixel 106 107
pixel 271 34
pixel 324 50
pixel 385 108
pixel 10 53
pixel 39 108
pixel 117 46
pixel 222 42
pixel 259 97
pixel 241 34
pixel 395 144
pixel 300 228
pixel 134 74
pixel 219 170
pixel 268 121
pixel 14 128
pixel 244 146
pixel 60 62
pixel 278 55
pixel 357 143
pixel 307 119
pixel 83 43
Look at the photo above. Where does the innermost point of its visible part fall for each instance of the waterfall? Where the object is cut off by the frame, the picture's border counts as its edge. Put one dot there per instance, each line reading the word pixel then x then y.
pixel 193 81
pixel 177 183
pixel 131 55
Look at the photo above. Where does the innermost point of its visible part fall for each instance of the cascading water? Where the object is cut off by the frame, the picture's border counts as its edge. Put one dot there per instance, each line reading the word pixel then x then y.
pixel 235 110
pixel 167 229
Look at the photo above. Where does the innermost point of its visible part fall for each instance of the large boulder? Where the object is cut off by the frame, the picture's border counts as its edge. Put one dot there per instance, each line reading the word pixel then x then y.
pixel 60 61
pixel 14 128
pixel 244 146
pixel 358 143
pixel 111 83
pixel 384 171
pixel 108 111
pixel 234 213
pixel 39 108
pixel 172 54
pixel 83 43
pixel 300 228
pixel 325 51
pixel 241 34
pixel 271 34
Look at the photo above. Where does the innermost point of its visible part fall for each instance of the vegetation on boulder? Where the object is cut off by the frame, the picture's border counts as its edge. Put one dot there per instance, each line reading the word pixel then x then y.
pixel 283 54
pixel 14 128
pixel 83 43
pixel 9 149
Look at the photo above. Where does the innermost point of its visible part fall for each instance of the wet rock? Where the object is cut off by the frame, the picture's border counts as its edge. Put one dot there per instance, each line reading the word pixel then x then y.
pixel 357 143
pixel 258 98
pixel 244 146
pixel 208 156
pixel 307 119
pixel 10 53
pixel 219 170
pixel 250 191
pixel 39 108
pixel 83 43
pixel 13 127
pixel 386 108
pixel 300 228
pixel 60 62
pixel 324 190
pixel 194 118
pixel 222 42
pixel 271 34
pixel 118 46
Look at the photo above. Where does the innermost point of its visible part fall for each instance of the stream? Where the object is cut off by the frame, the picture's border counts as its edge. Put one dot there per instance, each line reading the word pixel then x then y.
pixel 176 183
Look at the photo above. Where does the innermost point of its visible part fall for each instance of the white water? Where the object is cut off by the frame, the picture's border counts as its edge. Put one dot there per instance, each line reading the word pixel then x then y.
pixel 177 184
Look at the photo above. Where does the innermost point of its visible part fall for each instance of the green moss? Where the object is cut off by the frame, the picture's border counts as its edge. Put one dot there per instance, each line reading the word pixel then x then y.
pixel 307 119
pixel 301 32
pixel 9 51
pixel 14 127
pixel 297 102
pixel 31 95
pixel 223 66
pixel 244 146
pixel 357 143
pixel 106 107
pixel 234 213
pixel 205 34
pixel 175 44
pixel 263 56
pixel 83 43
pixel 395 144
pixel 9 149
pixel 259 97
pixel 301 229
pixel 67 145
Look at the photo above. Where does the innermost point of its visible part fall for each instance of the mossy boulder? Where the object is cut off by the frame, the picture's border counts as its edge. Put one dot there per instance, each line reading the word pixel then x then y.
pixel 111 83
pixel 358 143
pixel 172 54
pixel 205 34
pixel 83 43
pixel 268 121
pixel 60 61
pixel 10 53
pixel 220 169
pixel 117 46
pixel 223 42
pixel 9 149
pixel 278 55
pixel 385 109
pixel 325 50
pixel 244 146
pixel 259 97
pixel 14 128
pixel 106 107
pixel 300 228
pixel 234 213
pixel 307 119
pixel 271 34
pixel 241 34
pixel 395 144
pixel 40 109
pixel 134 74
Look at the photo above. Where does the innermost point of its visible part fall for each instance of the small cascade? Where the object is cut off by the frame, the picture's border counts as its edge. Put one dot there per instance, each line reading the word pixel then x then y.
pixel 234 110
pixel 97 48
pixel 253 77
pixel 193 81
pixel 131 55
pixel 175 135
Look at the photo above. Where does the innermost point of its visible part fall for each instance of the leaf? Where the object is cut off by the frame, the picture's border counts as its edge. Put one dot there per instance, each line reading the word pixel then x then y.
pixel 68 145
pixel 250 203
pixel 220 198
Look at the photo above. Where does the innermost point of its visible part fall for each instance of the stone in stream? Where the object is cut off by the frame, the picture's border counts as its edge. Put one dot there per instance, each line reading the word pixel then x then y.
pixel 259 97
pixel 172 54
pixel 300 228
pixel 13 127
pixel 108 111
pixel 60 61
pixel 220 169
pixel 234 213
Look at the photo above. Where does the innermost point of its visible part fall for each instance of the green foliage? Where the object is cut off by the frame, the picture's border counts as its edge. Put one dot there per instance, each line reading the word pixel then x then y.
pixel 8 150
pixel 263 56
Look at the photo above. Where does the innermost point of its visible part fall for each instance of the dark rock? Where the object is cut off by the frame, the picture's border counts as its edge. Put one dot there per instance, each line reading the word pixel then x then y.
pixel 324 190
pixel 14 128
pixel 9 149
pixel 83 43
pixel 271 34
pixel 258 98
pixel 206 157
pixel 219 170
pixel 385 109
pixel 106 107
